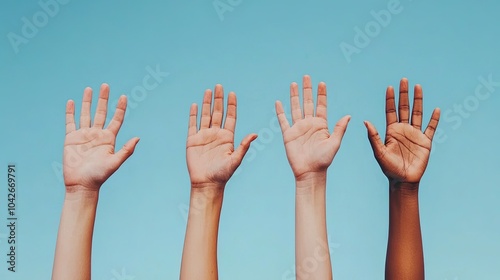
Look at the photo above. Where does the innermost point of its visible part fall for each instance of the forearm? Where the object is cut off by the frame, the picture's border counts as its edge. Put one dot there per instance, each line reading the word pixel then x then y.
pixel 312 255
pixel 405 259
pixel 74 240
pixel 199 258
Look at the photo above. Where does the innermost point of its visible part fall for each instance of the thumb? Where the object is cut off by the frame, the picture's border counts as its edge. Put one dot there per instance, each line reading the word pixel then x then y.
pixel 377 144
pixel 340 129
pixel 126 151
pixel 240 152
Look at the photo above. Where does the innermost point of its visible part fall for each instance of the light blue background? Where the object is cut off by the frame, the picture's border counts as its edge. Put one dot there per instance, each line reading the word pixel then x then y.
pixel 256 49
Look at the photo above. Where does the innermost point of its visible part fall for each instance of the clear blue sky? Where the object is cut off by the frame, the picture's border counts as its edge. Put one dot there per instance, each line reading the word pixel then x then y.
pixel 255 48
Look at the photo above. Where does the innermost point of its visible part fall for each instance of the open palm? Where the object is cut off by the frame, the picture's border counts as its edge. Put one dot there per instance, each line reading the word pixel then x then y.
pixel 211 157
pixel 89 153
pixel 405 155
pixel 309 145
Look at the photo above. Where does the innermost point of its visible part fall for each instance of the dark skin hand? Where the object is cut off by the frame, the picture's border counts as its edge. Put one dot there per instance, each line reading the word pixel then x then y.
pixel 403 159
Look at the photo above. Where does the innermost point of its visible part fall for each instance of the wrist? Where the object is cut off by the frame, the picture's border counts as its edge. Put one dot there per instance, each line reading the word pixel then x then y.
pixel 311 176
pixel 206 193
pixel 82 188
pixel 201 187
pixel 81 200
pixel 310 182
pixel 78 192
pixel 206 199
pixel 404 188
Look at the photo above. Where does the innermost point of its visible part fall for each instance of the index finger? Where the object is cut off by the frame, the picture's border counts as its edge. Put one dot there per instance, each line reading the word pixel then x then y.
pixel 230 123
pixel 116 123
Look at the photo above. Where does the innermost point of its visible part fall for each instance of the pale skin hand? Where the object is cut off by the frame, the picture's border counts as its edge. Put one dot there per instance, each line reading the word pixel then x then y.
pixel 310 149
pixel 211 160
pixel 403 160
pixel 211 157
pixel 89 152
pixel 89 160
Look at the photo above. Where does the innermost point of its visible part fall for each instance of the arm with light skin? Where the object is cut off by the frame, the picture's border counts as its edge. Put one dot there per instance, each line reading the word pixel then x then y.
pixel 310 149
pixel 211 160
pixel 89 160
pixel 403 159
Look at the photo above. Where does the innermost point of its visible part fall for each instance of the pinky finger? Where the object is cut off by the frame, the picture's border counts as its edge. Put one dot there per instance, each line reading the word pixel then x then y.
pixel 433 123
pixel 280 112
pixel 70 117
pixel 193 115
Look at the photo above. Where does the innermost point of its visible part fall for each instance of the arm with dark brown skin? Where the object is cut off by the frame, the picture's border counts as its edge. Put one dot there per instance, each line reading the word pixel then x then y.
pixel 403 159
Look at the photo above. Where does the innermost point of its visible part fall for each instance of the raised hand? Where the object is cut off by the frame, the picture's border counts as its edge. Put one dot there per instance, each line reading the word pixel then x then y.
pixel 211 160
pixel 310 148
pixel 309 145
pixel 211 157
pixel 89 160
pixel 405 155
pixel 89 152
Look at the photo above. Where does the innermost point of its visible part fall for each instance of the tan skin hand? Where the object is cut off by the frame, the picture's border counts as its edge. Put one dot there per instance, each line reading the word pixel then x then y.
pixel 211 157
pixel 89 153
pixel 405 155
pixel 309 145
